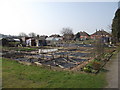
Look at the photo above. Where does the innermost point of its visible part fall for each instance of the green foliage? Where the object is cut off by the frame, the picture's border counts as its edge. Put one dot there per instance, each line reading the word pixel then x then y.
pixel 14 43
pixel 20 48
pixel 93 66
pixel 93 71
pixel 4 42
pixel 107 54
pixel 116 27
pixel 26 49
pixel 87 69
pixel 16 75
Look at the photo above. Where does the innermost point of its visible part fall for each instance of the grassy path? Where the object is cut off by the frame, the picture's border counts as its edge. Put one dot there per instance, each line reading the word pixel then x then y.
pixel 112 74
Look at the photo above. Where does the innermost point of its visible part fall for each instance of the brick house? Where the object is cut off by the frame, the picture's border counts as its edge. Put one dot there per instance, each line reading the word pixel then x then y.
pixel 84 35
pixel 101 34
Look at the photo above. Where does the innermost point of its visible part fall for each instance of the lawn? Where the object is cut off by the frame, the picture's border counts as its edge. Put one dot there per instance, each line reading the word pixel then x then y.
pixel 16 75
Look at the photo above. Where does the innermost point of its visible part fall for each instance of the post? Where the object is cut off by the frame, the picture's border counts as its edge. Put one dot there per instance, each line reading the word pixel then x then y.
pixel 67 57
pixel 53 56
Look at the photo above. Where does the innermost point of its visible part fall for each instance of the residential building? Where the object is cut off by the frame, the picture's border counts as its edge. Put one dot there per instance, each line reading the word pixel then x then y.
pixel 84 35
pixel 41 41
pixel 101 34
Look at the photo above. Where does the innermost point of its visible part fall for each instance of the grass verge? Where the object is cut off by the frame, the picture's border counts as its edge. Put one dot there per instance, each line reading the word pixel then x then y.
pixel 16 75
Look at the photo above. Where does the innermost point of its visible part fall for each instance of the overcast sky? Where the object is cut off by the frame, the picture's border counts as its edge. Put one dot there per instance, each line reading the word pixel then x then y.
pixel 46 18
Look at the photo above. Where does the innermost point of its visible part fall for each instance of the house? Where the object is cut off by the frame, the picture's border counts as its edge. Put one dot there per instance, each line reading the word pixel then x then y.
pixel 34 41
pixel 53 40
pixel 10 41
pixel 41 41
pixel 23 40
pixel 84 35
pixel 101 34
pixel 31 42
pixel 55 35
pixel 67 37
pixel 2 36
pixel 28 41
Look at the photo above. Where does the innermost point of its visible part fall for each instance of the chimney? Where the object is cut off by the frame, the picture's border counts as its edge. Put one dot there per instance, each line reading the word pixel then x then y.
pixel 96 30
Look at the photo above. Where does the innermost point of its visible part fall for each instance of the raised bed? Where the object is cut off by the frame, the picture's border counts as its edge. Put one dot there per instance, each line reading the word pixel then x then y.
pixel 78 54
pixel 78 59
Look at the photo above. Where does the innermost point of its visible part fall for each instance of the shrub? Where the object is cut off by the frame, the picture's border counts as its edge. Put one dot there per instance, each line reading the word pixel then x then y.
pixel 87 69
pixel 93 66
pixel 96 65
pixel 93 71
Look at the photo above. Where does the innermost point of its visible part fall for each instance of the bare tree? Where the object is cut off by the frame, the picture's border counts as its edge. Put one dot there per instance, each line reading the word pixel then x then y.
pixel 67 33
pixel 22 34
pixel 109 27
pixel 98 50
pixel 32 34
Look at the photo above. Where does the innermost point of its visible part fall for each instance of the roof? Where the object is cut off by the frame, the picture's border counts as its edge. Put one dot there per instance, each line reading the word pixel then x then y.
pixel 55 35
pixel 53 38
pixel 41 38
pixel 84 34
pixel 18 40
pixel 101 32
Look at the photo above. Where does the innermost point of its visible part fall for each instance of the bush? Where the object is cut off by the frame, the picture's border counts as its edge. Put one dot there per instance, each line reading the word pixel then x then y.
pixel 87 69
pixel 94 71
pixel 96 65
pixel 97 60
pixel 92 66
pixel 107 54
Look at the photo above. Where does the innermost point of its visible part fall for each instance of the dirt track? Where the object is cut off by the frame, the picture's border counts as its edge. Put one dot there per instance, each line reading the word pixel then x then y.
pixel 112 74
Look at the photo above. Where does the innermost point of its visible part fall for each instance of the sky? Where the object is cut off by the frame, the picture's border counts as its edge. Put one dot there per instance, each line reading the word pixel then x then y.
pixel 47 18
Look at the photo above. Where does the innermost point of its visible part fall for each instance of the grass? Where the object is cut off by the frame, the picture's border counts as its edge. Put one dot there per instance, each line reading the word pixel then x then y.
pixel 26 49
pixel 90 41
pixel 33 48
pixel 16 75
pixel 20 48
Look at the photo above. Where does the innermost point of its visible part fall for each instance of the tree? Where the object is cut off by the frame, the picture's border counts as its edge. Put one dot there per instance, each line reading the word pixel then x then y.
pixel 32 34
pixel 116 26
pixel 22 34
pixel 67 33
pixel 38 36
pixel 5 42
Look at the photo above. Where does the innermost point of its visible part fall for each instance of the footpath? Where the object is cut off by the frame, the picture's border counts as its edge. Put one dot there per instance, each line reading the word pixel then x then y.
pixel 112 74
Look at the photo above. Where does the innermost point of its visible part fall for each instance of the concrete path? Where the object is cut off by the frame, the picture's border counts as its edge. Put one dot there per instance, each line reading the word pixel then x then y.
pixel 112 74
